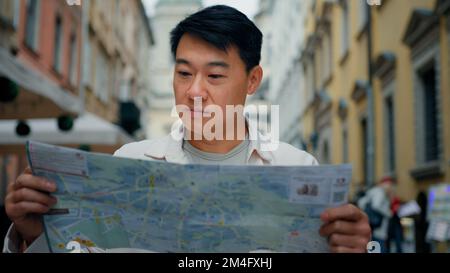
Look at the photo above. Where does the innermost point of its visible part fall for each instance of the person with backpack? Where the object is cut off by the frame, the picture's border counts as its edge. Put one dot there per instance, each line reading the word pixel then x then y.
pixel 377 205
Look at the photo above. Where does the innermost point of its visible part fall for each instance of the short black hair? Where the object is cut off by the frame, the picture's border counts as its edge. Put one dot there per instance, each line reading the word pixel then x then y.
pixel 222 26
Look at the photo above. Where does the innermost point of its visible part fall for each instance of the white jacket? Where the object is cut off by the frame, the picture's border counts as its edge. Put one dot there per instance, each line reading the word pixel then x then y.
pixel 171 150
pixel 380 202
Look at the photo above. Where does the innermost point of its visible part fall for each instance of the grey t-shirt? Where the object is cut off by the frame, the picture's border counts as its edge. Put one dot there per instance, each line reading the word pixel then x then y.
pixel 237 156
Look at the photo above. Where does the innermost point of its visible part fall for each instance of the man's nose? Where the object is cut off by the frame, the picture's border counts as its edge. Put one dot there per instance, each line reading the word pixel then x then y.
pixel 197 89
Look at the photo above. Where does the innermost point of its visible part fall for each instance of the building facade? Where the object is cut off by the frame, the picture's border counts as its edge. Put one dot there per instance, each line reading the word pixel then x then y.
pixel 286 71
pixel 41 55
pixel 9 20
pixel 116 62
pixel 78 72
pixel 377 90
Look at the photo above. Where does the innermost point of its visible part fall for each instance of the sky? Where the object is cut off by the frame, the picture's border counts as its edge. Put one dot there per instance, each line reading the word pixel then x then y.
pixel 248 7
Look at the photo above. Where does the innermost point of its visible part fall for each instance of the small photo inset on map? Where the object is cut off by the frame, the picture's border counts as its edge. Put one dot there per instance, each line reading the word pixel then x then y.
pixel 308 189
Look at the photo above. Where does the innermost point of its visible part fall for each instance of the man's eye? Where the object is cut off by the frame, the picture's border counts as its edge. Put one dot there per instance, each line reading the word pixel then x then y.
pixel 216 76
pixel 184 74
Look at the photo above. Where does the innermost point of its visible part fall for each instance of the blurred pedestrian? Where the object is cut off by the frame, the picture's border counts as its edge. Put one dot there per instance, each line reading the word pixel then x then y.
pixel 421 225
pixel 395 228
pixel 377 205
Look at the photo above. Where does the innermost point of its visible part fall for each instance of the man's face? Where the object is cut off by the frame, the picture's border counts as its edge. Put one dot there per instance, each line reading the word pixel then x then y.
pixel 214 77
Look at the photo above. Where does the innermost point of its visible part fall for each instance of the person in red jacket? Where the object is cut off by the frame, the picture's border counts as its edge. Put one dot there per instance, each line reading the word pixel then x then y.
pixel 395 228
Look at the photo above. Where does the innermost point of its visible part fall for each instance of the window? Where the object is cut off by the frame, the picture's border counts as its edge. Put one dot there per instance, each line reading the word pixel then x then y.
pixel 16 13
pixel 424 42
pixel 306 83
pixel 32 24
pixel 389 134
pixel 101 76
pixel 8 12
pixel 319 65
pixel 430 114
pixel 363 10
pixel 316 66
pixel 345 27
pixel 57 50
pixel 87 61
pixel 326 153
pixel 309 83
pixel 298 5
pixel 118 68
pixel 119 26
pixel 117 4
pixel 312 77
pixel 364 142
pixel 73 71
pixel 327 57
pixel 345 158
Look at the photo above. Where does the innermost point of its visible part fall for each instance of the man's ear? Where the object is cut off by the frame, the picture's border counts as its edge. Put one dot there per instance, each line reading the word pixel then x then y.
pixel 255 78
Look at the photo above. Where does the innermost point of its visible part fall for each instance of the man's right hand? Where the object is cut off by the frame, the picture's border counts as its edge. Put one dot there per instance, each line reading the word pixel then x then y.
pixel 27 199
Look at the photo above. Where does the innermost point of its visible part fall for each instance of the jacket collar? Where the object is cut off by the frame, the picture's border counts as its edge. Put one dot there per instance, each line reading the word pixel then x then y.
pixel 170 148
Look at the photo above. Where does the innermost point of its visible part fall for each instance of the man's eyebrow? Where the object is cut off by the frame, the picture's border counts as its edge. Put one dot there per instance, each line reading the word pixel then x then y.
pixel 214 63
pixel 219 63
pixel 182 61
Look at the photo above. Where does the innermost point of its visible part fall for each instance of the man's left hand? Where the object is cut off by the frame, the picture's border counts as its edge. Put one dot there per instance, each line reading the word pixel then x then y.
pixel 347 229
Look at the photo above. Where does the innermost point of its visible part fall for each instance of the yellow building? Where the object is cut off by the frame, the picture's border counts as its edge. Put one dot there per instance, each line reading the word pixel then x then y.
pixel 391 119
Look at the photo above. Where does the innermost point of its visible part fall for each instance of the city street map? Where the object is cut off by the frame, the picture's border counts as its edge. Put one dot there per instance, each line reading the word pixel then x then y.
pixel 109 202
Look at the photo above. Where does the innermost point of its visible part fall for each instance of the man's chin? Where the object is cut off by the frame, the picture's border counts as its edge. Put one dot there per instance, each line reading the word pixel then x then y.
pixel 199 134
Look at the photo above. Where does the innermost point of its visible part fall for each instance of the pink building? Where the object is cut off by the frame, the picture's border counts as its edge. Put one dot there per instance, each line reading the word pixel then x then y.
pixel 49 40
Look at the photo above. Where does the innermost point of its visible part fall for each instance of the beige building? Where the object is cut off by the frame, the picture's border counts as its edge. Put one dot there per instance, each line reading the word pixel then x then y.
pixel 389 119
pixel 168 13
pixel 116 62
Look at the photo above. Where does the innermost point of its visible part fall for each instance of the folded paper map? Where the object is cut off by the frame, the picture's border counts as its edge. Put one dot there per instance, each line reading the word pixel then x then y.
pixel 110 202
